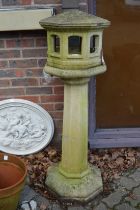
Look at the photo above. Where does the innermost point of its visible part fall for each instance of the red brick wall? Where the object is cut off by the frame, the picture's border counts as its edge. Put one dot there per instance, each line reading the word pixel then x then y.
pixel 22 58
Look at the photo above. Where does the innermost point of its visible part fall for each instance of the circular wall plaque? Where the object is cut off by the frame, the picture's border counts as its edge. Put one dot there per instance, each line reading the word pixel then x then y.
pixel 25 127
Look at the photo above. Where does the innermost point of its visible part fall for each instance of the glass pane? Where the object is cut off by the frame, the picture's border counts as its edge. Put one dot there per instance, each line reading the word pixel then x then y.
pixel 74 44
pixel 118 90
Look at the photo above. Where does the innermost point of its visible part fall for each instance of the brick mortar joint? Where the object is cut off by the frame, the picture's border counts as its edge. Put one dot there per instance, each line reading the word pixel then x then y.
pixel 11 87
pixel 25 88
pixel 19 78
pixel 24 48
pixel 7 49
pixel 25 6
pixel 23 58
pixel 19 37
pixel 28 68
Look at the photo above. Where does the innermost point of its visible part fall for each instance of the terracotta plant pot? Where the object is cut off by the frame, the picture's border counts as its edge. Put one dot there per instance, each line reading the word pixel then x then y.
pixel 12 177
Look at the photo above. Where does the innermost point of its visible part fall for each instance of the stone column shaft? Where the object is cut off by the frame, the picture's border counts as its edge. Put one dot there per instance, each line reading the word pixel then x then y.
pixel 75 131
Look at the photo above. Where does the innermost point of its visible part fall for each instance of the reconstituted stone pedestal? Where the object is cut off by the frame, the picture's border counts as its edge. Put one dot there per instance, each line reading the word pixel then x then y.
pixel 71 189
pixel 75 55
pixel 74 179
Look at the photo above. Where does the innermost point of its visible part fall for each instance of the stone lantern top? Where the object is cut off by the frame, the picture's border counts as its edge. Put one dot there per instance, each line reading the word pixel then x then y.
pixel 74 19
pixel 74 45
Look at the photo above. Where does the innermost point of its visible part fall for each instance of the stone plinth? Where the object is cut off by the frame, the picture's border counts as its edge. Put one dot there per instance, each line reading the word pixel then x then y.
pixel 74 189
pixel 73 178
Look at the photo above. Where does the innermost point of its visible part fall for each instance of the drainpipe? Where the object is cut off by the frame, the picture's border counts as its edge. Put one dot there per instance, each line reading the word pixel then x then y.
pixel 70 4
pixel 92 87
pixel 92 6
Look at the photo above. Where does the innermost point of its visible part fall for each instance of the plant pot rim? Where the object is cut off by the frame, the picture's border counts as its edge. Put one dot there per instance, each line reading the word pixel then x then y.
pixel 12 189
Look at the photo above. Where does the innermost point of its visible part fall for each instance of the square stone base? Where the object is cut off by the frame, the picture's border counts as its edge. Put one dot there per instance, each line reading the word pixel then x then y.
pixel 73 189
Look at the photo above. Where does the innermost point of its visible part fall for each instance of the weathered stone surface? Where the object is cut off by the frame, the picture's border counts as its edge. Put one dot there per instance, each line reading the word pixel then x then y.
pixel 80 189
pixel 125 206
pixel 138 169
pixel 114 198
pixel 128 183
pixel 27 194
pixel 136 193
pixel 54 207
pixel 100 207
pixel 120 200
pixel 74 19
pixel 136 176
pixel 76 208
pixel 25 206
pixel 73 179
pixel 134 202
pixel 42 201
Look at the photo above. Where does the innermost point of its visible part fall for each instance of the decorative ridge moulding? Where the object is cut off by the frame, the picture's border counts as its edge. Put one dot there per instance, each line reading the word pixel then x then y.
pixel 23 18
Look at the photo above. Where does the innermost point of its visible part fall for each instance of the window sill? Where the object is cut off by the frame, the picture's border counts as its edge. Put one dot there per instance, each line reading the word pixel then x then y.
pixel 16 19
